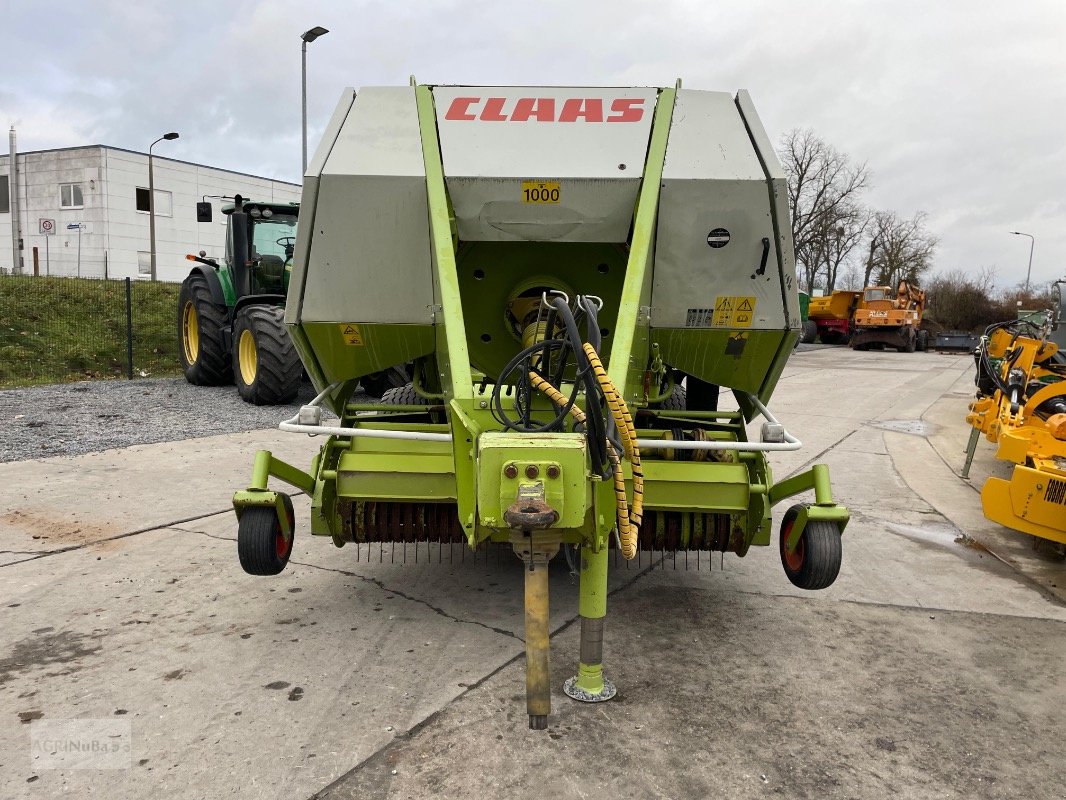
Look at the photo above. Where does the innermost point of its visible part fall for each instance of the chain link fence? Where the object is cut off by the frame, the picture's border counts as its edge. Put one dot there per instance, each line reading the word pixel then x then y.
pixel 59 329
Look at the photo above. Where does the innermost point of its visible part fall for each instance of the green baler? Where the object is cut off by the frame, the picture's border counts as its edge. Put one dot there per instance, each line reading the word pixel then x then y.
pixel 573 273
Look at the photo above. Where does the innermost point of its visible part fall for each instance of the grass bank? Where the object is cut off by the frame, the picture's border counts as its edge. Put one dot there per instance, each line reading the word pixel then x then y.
pixel 55 330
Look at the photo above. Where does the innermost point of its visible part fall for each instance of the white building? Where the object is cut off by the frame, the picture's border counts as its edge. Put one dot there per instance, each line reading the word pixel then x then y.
pixel 105 191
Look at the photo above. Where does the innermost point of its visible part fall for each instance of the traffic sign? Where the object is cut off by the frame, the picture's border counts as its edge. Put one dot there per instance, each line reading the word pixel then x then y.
pixel 47 226
pixel 74 226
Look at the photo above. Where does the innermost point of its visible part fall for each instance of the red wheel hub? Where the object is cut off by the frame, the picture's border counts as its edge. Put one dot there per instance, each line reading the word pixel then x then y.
pixel 280 544
pixel 793 558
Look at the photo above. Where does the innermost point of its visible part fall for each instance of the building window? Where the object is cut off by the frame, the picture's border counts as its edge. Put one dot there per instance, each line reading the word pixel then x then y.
pixel 144 262
pixel 5 200
pixel 163 202
pixel 70 195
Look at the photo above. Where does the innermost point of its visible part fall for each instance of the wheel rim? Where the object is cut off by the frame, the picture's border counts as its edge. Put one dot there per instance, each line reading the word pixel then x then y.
pixel 190 332
pixel 280 545
pixel 793 559
pixel 247 358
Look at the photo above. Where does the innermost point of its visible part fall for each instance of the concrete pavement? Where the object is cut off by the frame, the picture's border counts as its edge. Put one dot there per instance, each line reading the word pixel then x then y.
pixel 932 668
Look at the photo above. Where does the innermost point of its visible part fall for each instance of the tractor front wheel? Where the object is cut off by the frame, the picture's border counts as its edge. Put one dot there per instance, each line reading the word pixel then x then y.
pixel 201 339
pixel 815 560
pixel 266 366
pixel 261 545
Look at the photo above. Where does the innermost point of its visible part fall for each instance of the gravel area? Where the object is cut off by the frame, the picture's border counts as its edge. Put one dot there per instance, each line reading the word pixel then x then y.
pixel 74 418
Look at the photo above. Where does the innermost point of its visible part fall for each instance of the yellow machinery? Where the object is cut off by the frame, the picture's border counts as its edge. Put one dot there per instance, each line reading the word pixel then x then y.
pixel 891 320
pixel 1021 406
pixel 833 314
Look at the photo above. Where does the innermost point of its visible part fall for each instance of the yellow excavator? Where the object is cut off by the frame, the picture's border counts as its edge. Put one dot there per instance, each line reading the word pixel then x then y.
pixel 1021 407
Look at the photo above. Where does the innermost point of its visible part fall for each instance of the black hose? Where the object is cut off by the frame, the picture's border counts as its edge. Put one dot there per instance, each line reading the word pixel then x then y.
pixel 594 416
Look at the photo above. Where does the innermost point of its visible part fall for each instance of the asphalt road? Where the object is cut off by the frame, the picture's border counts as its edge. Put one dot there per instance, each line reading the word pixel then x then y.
pixel 932 668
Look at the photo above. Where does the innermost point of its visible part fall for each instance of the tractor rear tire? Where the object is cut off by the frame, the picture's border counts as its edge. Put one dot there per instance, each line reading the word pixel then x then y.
pixel 810 332
pixel 815 562
pixel 261 545
pixel 266 366
pixel 201 335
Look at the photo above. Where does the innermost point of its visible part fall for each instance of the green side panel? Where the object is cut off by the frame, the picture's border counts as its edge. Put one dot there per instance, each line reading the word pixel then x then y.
pixel 739 359
pixel 377 346
pixel 695 486
pixel 805 303
pixel 397 469
pixel 493 273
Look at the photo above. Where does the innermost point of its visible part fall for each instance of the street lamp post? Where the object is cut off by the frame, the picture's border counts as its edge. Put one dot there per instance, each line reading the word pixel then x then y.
pixel 151 200
pixel 1032 242
pixel 306 36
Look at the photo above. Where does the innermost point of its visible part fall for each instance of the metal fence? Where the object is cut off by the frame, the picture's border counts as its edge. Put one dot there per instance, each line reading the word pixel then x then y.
pixel 58 329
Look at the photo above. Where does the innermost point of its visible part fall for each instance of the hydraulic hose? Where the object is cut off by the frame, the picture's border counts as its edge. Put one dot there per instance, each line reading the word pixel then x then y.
pixel 628 431
pixel 627 534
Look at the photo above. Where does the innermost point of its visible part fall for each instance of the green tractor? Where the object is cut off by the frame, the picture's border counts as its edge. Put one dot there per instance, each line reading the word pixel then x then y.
pixel 231 325
pixel 231 316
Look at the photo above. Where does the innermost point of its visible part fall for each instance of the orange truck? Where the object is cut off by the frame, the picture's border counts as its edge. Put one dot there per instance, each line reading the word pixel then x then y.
pixel 833 314
pixel 890 319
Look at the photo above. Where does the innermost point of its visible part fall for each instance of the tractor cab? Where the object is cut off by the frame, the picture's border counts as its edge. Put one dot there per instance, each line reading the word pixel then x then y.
pixel 260 239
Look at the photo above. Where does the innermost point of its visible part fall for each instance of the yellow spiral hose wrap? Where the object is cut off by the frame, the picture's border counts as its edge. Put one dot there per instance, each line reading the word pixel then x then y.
pixel 624 422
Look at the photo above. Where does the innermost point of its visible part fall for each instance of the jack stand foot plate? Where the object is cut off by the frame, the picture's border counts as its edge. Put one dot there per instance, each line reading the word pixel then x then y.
pixel 571 690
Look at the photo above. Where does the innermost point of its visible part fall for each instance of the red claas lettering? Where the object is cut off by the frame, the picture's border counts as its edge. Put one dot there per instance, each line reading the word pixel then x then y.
pixel 542 109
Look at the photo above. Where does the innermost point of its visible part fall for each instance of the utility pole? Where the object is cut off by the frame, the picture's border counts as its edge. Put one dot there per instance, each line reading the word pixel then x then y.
pixel 306 36
pixel 13 205
pixel 151 200
pixel 1032 242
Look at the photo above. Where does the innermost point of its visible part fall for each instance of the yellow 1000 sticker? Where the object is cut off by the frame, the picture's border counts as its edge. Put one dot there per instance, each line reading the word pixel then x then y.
pixel 540 191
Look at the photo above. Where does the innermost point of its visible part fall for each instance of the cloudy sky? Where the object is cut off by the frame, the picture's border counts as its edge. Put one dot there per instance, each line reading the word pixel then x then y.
pixel 958 106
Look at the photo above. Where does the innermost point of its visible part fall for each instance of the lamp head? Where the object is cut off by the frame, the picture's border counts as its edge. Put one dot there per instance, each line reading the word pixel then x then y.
pixel 170 136
pixel 314 33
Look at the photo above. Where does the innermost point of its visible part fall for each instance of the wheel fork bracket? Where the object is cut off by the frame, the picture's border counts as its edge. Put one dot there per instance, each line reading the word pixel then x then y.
pixel 258 495
pixel 824 508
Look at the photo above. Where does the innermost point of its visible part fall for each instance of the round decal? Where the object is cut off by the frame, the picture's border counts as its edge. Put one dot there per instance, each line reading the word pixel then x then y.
pixel 719 237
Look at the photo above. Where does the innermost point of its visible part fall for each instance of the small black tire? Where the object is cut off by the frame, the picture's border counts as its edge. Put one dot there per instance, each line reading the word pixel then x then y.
pixel 921 341
pixel 266 366
pixel 261 546
pixel 201 335
pixel 810 332
pixel 677 401
pixel 403 396
pixel 815 562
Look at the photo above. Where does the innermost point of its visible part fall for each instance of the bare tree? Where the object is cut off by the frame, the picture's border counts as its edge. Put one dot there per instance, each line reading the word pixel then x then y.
pixel 823 190
pixel 898 249
pixel 850 278
pixel 837 240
